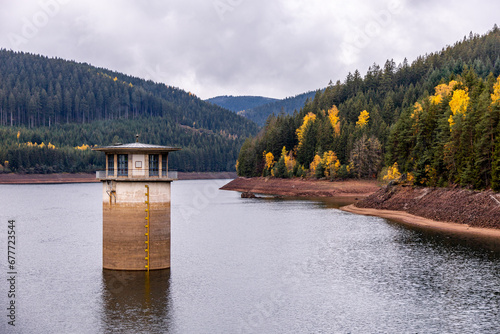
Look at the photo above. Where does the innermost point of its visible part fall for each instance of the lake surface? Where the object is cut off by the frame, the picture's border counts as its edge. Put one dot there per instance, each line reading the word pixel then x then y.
pixel 242 266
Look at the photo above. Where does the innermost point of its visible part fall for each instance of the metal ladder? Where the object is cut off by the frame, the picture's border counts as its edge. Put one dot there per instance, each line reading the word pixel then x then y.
pixel 147 228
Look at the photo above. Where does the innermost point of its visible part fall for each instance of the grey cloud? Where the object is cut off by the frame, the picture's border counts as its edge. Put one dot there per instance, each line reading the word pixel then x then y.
pixel 240 47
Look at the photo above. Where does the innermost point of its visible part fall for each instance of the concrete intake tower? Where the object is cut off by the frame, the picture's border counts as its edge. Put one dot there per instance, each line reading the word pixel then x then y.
pixel 136 206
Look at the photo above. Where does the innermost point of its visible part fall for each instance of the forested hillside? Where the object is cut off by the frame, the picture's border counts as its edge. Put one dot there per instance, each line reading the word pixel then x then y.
pixel 70 104
pixel 239 103
pixel 436 119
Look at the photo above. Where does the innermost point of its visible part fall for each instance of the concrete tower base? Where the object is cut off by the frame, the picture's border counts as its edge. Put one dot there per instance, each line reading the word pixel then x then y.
pixel 124 212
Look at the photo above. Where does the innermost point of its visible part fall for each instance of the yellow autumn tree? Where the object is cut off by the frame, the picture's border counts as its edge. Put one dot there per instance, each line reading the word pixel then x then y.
pixel 42 145
pixel 309 118
pixel 458 104
pixel 442 91
pixel 18 134
pixel 417 111
pixel 495 97
pixel 333 116
pixel 415 115
pixel 363 119
pixel 436 99
pixel 330 163
pixel 410 178
pixel 83 147
pixel 289 159
pixel 314 164
pixel 269 157
pixel 392 173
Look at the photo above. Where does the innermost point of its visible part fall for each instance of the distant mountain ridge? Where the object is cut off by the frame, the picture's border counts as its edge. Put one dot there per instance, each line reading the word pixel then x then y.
pixel 288 105
pixel 258 108
pixel 239 103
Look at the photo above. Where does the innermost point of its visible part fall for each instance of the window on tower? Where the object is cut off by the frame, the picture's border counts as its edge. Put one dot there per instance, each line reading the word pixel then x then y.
pixel 153 164
pixel 122 164
pixel 164 164
pixel 111 164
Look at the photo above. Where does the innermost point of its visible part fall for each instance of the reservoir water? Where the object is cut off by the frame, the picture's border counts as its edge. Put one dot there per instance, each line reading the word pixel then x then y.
pixel 241 266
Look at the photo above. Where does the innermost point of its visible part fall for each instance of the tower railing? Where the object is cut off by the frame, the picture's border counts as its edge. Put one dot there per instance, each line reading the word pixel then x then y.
pixel 134 174
pixel 100 174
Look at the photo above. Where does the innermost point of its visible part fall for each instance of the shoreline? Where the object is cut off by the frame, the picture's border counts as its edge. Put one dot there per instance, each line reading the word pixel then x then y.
pixel 56 178
pixel 408 219
pixel 60 178
pixel 303 188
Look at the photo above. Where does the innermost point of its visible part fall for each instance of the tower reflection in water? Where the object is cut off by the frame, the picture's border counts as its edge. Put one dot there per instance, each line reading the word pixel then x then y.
pixel 136 301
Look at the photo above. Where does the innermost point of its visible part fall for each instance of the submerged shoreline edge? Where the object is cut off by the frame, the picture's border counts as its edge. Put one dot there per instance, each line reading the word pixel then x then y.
pixel 408 219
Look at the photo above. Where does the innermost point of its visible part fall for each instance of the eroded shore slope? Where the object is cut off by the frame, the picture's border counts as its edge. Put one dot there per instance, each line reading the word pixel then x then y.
pixel 461 206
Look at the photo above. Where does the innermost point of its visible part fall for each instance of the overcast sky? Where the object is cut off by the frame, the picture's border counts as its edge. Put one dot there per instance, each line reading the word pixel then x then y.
pixel 274 48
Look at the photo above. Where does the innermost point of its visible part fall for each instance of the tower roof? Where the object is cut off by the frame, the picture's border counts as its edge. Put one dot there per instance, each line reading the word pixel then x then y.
pixel 136 148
